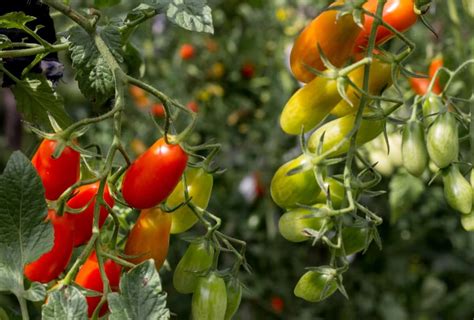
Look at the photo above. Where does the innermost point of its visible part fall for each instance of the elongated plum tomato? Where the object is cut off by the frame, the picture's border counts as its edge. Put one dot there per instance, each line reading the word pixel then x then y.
pixel 457 190
pixel 199 184
pixel 431 107
pixel 334 132
pixel 197 258
pixel 82 222
pixel 56 174
pixel 292 224
pixel 337 193
pixel 354 239
pixel 50 265
pixel 151 178
pixel 442 140
pixel 315 286
pixel 420 85
pixel 210 298
pixel 334 35
pixel 149 237
pixel 414 153
pixel 397 13
pixel 309 105
pixel 89 277
pixel 234 296
pixel 300 188
pixel 380 78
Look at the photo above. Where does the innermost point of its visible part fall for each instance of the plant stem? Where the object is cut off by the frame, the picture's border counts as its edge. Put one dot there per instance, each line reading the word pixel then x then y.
pixel 24 308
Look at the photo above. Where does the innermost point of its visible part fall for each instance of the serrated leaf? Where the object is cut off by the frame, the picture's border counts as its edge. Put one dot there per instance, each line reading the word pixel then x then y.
pixel 404 192
pixel 193 15
pixel 66 303
pixel 141 295
pixel 24 236
pixel 94 76
pixel 15 20
pixel 35 99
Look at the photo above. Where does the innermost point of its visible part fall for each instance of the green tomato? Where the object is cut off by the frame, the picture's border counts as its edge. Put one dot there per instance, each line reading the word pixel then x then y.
pixel 432 105
pixel 209 299
pixel 199 188
pixel 234 295
pixel 292 224
pixel 337 192
pixel 457 190
pixel 197 258
pixel 414 153
pixel 354 240
pixel 315 286
pixel 442 140
pixel 290 190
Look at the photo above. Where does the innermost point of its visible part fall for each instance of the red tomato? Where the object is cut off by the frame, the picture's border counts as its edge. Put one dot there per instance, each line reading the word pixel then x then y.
pixel 56 174
pixel 247 71
pixel 397 13
pixel 50 265
pixel 89 277
pixel 277 304
pixel 158 110
pixel 82 222
pixel 187 51
pixel 435 65
pixel 420 86
pixel 193 106
pixel 152 177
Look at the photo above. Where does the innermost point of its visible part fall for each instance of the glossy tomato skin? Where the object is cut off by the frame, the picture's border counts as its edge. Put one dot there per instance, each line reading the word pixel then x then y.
pixel 354 240
pixel 197 258
pixel 334 131
pixel 457 190
pixel 431 107
pixel 380 78
pixel 335 36
pixel 89 277
pixel 310 286
pixel 210 298
pixel 149 237
pixel 151 178
pixel 187 51
pixel 56 174
pixel 397 13
pixel 442 140
pixel 82 222
pixel 292 224
pixel 414 153
pixel 199 184
pixel 234 296
pixel 290 190
pixel 50 265
pixel 337 193
pixel 308 106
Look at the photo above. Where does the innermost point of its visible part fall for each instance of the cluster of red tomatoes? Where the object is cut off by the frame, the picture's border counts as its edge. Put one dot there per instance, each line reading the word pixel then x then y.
pixel 330 41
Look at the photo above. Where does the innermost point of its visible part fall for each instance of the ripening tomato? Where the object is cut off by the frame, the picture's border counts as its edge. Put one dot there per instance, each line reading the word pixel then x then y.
pixel 277 304
pixel 315 286
pixel 436 64
pixel 334 131
pixel 292 223
pixel 442 140
pixel 414 153
pixel 397 13
pixel 82 222
pixel 197 258
pixel 158 110
pixel 300 188
pixel 151 178
pixel 419 85
pixel 247 70
pixel 149 237
pixel 89 277
pixel 457 190
pixel 380 78
pixel 187 51
pixel 50 265
pixel 199 184
pixel 193 106
pixel 210 298
pixel 234 296
pixel 334 34
pixel 56 174
pixel 136 92
pixel 309 105
pixel 337 192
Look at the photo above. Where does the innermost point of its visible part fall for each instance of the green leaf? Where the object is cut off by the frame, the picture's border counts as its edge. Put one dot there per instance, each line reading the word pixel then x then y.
pixel 15 20
pixel 24 234
pixel 105 3
pixel 36 292
pixel 94 76
pixel 405 190
pixel 193 15
pixel 141 295
pixel 66 303
pixel 36 99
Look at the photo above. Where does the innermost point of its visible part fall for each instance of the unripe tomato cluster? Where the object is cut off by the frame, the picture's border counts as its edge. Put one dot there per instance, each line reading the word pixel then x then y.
pixel 328 42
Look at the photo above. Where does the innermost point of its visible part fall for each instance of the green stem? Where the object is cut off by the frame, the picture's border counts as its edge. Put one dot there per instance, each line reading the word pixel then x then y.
pixel 24 308
pixel 34 50
pixel 71 14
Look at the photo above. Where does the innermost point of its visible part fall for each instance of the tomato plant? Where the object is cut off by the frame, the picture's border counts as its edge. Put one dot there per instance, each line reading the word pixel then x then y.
pixel 209 298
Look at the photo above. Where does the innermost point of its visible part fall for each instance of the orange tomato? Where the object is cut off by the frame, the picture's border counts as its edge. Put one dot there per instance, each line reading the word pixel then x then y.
pixel 187 51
